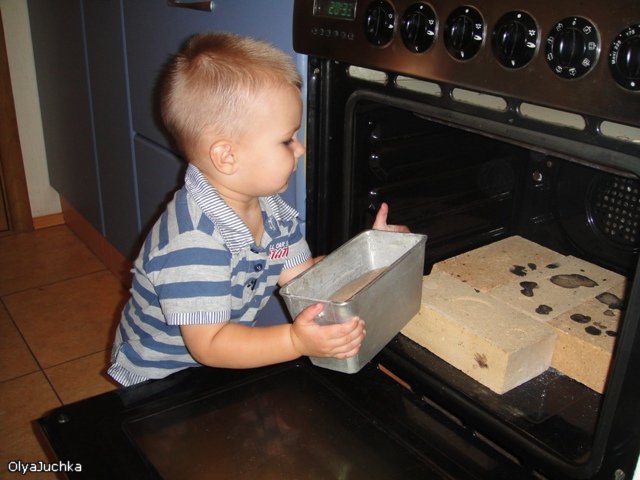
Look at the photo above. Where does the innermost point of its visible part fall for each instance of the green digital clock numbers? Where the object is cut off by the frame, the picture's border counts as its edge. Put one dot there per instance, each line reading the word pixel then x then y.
pixel 342 9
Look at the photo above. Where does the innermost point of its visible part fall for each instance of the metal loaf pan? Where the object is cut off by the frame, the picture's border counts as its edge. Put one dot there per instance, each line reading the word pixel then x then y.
pixel 385 303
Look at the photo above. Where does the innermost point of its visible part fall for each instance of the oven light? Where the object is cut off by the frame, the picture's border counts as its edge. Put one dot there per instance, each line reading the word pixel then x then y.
pixel 480 99
pixel 420 86
pixel 624 133
pixel 367 74
pixel 551 115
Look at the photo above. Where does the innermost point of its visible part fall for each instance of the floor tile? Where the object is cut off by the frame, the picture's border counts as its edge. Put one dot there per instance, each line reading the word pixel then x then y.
pixel 81 378
pixel 22 401
pixel 69 319
pixel 45 256
pixel 15 358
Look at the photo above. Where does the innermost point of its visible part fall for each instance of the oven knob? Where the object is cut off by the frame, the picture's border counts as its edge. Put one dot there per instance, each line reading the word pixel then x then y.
pixel 419 26
pixel 572 47
pixel 624 58
pixel 464 32
pixel 379 22
pixel 515 39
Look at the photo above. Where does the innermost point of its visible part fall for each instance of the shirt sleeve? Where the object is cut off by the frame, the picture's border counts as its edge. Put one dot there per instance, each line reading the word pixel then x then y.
pixel 299 250
pixel 192 280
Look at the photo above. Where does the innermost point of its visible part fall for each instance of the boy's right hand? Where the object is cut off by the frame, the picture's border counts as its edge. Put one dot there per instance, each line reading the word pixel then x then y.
pixel 340 340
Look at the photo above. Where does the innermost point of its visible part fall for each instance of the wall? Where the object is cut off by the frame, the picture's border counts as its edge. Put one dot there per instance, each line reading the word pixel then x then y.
pixel 43 199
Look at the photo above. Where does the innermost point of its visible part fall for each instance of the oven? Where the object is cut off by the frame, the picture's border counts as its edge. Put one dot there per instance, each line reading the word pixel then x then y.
pixel 477 122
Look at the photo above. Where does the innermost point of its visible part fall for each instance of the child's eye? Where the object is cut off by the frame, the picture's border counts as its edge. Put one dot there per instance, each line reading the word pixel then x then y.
pixel 291 141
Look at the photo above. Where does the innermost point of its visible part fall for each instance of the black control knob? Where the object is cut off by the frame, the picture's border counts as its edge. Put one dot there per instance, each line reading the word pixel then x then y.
pixel 419 27
pixel 572 47
pixel 515 39
pixel 624 58
pixel 379 22
pixel 464 33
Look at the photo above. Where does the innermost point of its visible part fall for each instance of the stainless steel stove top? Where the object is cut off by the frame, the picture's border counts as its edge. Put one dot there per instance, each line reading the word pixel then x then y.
pixel 580 56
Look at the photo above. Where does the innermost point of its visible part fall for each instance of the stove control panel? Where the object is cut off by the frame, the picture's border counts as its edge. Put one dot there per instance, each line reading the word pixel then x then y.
pixel 580 56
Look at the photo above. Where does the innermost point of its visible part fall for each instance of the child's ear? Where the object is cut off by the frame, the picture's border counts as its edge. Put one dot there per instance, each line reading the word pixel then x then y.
pixel 222 158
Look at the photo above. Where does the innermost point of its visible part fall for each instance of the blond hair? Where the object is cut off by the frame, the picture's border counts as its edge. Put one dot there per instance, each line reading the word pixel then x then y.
pixel 212 81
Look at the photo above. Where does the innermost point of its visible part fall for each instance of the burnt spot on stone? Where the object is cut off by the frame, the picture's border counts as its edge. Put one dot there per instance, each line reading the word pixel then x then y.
pixel 544 309
pixel 481 360
pixel 532 266
pixel 611 333
pixel 591 330
pixel 519 270
pixel 612 301
pixel 572 280
pixel 553 265
pixel 527 288
pixel 580 318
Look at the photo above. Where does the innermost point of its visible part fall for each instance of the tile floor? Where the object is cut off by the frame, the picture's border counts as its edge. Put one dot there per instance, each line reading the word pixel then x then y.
pixel 59 306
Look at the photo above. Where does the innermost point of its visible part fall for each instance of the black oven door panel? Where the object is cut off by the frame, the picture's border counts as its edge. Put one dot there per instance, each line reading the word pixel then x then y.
pixel 282 422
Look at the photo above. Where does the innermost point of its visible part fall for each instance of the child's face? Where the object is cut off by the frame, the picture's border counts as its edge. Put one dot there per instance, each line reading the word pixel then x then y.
pixel 267 153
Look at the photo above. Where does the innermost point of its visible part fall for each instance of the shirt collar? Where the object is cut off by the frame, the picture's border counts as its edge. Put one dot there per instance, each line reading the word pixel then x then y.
pixel 234 232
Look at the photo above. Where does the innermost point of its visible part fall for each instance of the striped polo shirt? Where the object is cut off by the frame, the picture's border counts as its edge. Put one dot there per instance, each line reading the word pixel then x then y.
pixel 199 265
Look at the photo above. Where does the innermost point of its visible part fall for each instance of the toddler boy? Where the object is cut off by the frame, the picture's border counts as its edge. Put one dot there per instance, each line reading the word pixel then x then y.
pixel 214 257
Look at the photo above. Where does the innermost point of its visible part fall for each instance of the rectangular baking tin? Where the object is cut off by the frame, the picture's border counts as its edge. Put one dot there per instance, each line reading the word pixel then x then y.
pixel 386 304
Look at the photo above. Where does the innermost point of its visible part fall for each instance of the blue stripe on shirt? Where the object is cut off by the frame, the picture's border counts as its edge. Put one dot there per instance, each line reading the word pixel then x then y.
pixel 150 297
pixel 182 212
pixel 146 248
pixel 134 358
pixel 151 343
pixel 135 311
pixel 163 230
pixel 205 225
pixel 187 257
pixel 192 289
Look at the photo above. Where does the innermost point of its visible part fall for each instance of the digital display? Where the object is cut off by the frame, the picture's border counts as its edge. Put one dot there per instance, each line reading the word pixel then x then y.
pixel 343 9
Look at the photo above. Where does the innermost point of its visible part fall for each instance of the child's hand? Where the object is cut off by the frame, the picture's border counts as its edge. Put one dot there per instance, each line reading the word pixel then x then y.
pixel 340 340
pixel 380 222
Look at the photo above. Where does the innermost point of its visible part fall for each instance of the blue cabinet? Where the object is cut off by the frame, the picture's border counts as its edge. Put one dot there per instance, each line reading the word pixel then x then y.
pixel 158 172
pixel 81 70
pixel 155 31
pixel 57 30
pixel 107 74
pixel 98 63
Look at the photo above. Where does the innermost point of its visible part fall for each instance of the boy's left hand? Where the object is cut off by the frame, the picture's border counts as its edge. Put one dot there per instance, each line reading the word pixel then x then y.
pixel 380 222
